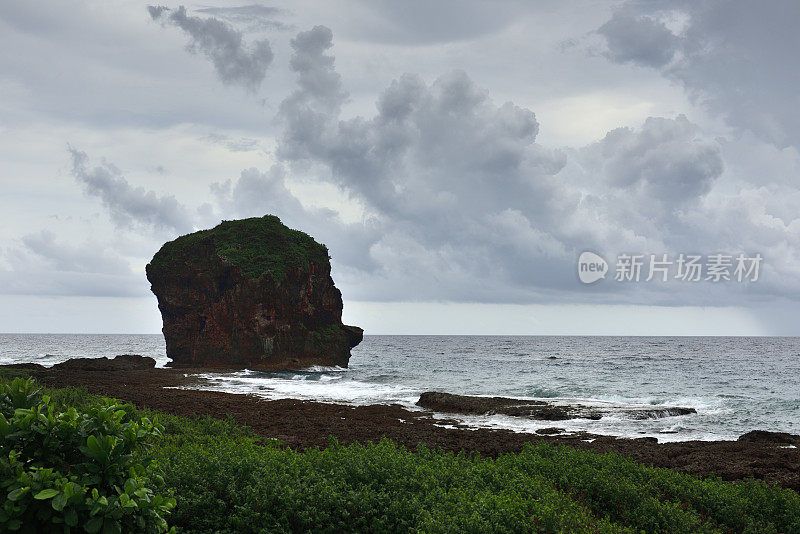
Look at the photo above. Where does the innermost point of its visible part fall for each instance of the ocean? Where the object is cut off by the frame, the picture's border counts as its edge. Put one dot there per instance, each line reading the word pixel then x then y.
pixel 736 384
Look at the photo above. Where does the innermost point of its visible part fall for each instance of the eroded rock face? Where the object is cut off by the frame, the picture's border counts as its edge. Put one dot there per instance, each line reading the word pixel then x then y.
pixel 250 294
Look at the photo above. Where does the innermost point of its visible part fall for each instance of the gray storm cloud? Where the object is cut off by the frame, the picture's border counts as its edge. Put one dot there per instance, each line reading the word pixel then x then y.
pixel 460 202
pixel 640 40
pixel 235 62
pixel 129 205
pixel 661 162
pixel 471 207
pixel 730 58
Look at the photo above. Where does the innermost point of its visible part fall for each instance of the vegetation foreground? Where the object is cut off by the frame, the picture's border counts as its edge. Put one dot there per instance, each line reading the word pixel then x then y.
pixel 74 462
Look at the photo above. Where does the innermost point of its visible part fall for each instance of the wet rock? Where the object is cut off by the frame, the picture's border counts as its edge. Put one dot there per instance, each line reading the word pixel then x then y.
pixel 471 405
pixel 765 436
pixel 656 413
pixel 535 409
pixel 123 362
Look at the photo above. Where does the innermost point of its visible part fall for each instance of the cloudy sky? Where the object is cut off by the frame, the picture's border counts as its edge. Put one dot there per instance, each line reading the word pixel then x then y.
pixel 456 157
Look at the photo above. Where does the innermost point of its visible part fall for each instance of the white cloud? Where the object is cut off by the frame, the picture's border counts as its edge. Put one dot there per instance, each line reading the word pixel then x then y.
pixel 127 204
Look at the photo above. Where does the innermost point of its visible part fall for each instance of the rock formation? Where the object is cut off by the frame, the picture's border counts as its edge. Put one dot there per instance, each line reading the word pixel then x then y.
pixel 540 410
pixel 250 294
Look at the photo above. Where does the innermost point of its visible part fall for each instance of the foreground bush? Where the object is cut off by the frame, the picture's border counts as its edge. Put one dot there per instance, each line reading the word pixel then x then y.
pixel 226 481
pixel 61 470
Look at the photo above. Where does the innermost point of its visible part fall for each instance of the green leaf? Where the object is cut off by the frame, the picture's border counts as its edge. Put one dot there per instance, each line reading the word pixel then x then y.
pixel 130 485
pixel 71 517
pixel 59 502
pixel 93 525
pixel 17 493
pixel 14 525
pixel 93 445
pixel 111 526
pixel 48 493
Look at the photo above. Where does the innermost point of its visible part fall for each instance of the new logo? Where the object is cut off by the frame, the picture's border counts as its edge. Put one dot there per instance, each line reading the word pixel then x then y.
pixel 591 267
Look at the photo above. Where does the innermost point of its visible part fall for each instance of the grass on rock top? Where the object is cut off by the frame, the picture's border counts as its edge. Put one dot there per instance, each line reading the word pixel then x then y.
pixel 255 245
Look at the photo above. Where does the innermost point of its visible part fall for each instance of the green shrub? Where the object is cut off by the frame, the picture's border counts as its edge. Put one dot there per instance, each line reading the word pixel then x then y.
pixel 226 485
pixel 226 480
pixel 662 500
pixel 65 470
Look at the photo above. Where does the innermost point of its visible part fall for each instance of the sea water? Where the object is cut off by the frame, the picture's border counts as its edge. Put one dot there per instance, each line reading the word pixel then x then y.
pixel 736 384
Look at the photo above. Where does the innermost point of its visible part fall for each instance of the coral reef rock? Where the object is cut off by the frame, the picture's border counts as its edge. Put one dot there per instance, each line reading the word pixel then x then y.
pixel 252 294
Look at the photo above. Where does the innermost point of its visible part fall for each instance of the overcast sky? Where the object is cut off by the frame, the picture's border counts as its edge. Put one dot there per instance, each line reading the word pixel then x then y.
pixel 455 156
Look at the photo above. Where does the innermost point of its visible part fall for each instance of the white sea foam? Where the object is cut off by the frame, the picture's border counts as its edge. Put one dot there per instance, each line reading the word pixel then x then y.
pixel 317 386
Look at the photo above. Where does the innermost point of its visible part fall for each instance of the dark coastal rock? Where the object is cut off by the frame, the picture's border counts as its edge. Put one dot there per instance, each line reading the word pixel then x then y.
pixel 123 362
pixel 655 413
pixel 765 436
pixel 464 404
pixel 250 294
pixel 534 409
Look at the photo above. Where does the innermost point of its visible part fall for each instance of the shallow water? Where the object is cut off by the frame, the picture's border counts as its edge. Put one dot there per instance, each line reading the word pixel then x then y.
pixel 735 384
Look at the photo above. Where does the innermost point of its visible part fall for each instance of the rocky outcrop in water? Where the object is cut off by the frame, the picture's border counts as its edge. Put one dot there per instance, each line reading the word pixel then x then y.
pixel 250 294
pixel 535 409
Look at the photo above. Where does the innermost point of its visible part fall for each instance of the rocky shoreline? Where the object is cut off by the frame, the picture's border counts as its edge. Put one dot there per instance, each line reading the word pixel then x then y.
pixel 770 456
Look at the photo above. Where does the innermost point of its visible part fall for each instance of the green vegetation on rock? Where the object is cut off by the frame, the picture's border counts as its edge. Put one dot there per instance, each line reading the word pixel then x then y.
pixel 255 245
pixel 327 334
pixel 227 479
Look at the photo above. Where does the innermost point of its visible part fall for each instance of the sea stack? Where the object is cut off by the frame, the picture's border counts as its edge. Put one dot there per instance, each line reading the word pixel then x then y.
pixel 253 294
